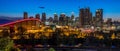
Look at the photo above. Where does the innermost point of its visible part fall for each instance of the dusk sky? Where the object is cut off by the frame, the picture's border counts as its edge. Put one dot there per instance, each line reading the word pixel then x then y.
pixel 15 8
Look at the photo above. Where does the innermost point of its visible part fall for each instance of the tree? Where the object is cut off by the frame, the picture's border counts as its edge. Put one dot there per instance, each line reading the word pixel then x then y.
pixel 5 33
pixel 56 37
pixel 6 43
pixel 43 39
pixel 21 31
pixel 71 39
pixel 51 49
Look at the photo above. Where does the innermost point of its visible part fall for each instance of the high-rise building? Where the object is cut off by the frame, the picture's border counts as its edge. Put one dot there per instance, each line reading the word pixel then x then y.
pixel 72 19
pixel 93 21
pixel 72 16
pixel 77 21
pixel 99 17
pixel 81 15
pixel 37 16
pixel 109 22
pixel 85 17
pixel 43 17
pixel 68 20
pixel 55 19
pixel 50 19
pixel 62 19
pixel 25 15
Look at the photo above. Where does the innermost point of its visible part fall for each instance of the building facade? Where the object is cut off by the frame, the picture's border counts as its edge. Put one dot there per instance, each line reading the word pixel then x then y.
pixel 43 17
pixel 25 15
pixel 99 17
pixel 85 17
pixel 37 16
pixel 62 19
pixel 30 23
pixel 56 20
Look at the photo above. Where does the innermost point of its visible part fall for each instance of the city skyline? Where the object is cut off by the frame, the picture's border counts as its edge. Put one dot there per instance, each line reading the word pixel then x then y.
pixel 17 7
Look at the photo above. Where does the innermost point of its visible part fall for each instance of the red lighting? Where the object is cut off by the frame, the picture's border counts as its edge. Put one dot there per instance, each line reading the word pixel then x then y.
pixel 18 21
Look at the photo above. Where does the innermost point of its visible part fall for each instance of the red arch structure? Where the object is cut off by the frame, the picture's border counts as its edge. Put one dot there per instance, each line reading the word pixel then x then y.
pixel 19 21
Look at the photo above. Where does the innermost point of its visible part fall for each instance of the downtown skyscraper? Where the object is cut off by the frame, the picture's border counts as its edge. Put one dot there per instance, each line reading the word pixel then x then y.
pixel 99 17
pixel 37 16
pixel 56 20
pixel 62 19
pixel 85 17
pixel 25 15
pixel 43 17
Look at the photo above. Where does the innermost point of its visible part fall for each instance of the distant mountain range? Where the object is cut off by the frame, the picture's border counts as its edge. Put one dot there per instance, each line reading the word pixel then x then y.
pixel 6 19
